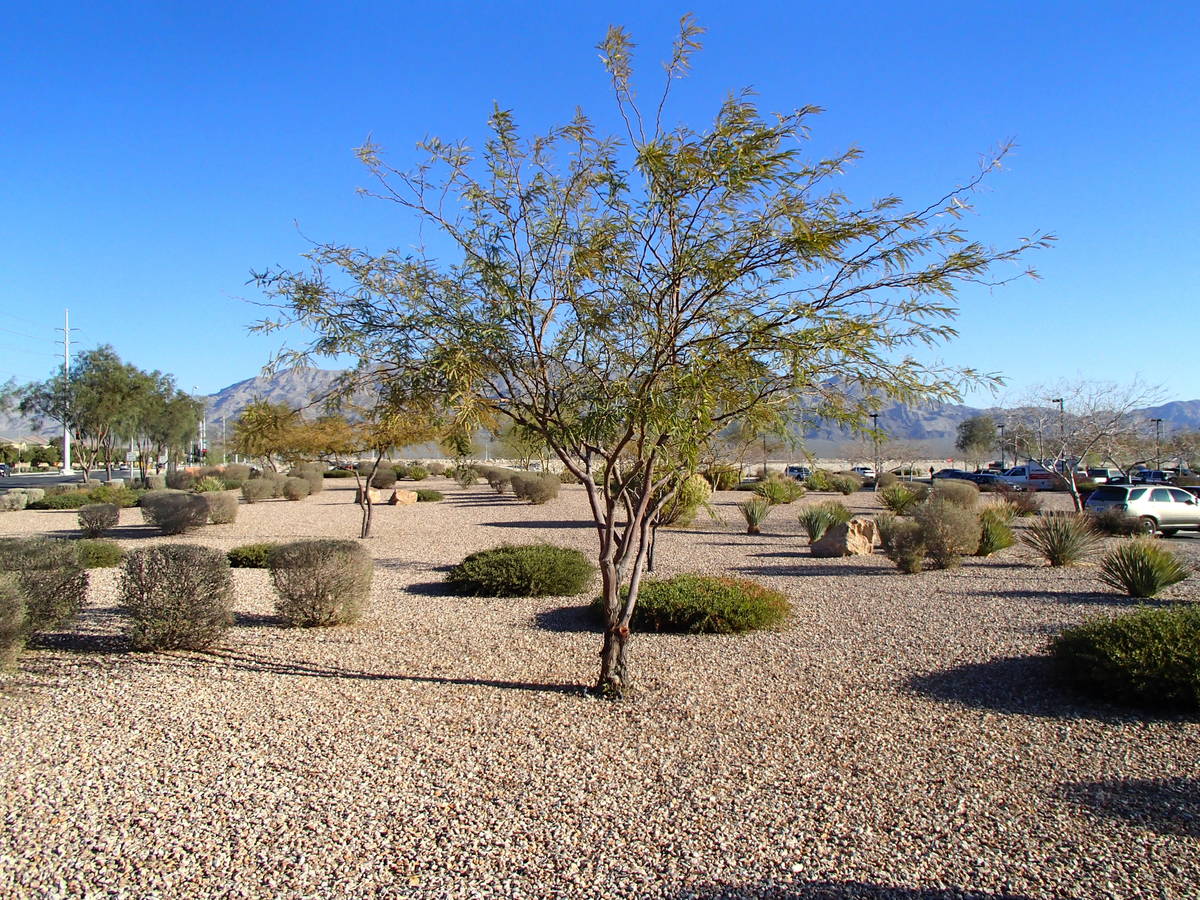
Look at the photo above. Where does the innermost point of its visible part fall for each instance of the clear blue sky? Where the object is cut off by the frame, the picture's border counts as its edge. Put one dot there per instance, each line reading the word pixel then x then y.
pixel 152 154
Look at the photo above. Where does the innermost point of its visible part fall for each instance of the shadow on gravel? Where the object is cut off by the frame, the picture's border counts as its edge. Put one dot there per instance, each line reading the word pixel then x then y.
pixel 121 532
pixel 1020 685
pixel 1093 597
pixel 541 523
pixel 429 589
pixel 258 620
pixel 814 567
pixel 1165 805
pixel 96 630
pixel 570 619
pixel 835 890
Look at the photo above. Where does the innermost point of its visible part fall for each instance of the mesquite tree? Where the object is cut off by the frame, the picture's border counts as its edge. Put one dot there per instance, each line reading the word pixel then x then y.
pixel 627 298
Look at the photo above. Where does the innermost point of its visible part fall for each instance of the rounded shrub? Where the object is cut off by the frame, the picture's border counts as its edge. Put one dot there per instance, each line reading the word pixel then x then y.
pixel 236 472
pixel 67 500
pixel 180 480
pixel 1141 567
pixel 250 556
pixel 97 518
pixel 320 583
pixel 779 490
pixel 534 487
pixel 425 495
pixel 436 469
pixel 1149 658
pixel 49 576
pixel 174 512
pixel 155 482
pixel 949 531
pixel 465 476
pixel 1062 539
pixel 297 488
pixel 98 554
pixel 681 508
pixel 257 489
pixel 524 570
pixel 819 480
pixel 222 507
pixel 905 545
pixel 723 478
pixel 338 473
pixel 12 620
pixel 886 480
pixel 705 604
pixel 952 490
pixel 418 473
pixel 383 478
pixel 178 596
pixel 845 483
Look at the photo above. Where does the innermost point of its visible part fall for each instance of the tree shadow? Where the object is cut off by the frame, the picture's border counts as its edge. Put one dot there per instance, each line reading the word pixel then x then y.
pixel 567 620
pixel 542 523
pixel 1165 805
pixel 1090 597
pixel 96 630
pixel 814 568
pixel 835 890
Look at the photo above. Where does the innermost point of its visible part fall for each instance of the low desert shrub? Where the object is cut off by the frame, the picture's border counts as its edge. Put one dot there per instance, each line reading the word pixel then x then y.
pixel 845 483
pixel 418 473
pixel 257 489
pixel 178 596
pixel 819 480
pixel 436 469
pixel 689 498
pixel 499 479
pixel 98 554
pixel 1026 503
pixel 1062 539
pixel 899 499
pixel 425 495
pixel 12 501
pixel 885 525
pixel 535 488
pixel 465 476
pixel 12 621
pixel 236 472
pixel 820 517
pixel 1141 567
pixel 250 556
pixel 1115 522
pixel 525 570
pixel 755 512
pixel 952 490
pixel 722 478
pixel 50 578
pixel 906 546
pixel 383 478
pixel 180 480
pixel 320 583
pixel 174 512
pixel 155 482
pixel 949 531
pixel 297 488
pixel 207 484
pixel 68 500
pixel 97 518
pixel 401 471
pixel 1148 658
pixel 704 604
pixel 778 490
pixel 338 473
pixel 118 495
pixel 222 507
pixel 995 532
pixel 886 480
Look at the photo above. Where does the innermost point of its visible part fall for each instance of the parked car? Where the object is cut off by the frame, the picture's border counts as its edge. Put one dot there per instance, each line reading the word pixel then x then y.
pixel 954 473
pixel 798 472
pixel 5 471
pixel 867 473
pixel 1157 508
pixel 1031 478
pixel 987 479
pixel 1151 476
pixel 1103 476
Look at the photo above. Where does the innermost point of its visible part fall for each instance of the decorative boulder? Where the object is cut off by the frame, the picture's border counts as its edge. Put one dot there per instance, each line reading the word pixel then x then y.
pixel 402 498
pixel 855 538
pixel 373 496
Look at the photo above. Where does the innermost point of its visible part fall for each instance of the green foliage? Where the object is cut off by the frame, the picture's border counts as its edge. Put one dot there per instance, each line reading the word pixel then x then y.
pixel 222 507
pixel 321 583
pixel 1141 567
pixel 703 604
pixel 845 483
pixel 178 596
pixel 207 484
pixel 1148 658
pixel 418 473
pixel 899 499
pixel 401 471
pixel 465 476
pixel 298 489
pixel 976 436
pixel 384 478
pixel 98 554
pixel 1026 503
pixel 778 490
pixel 174 512
pixel 534 487
pixel 685 501
pixel 50 578
pixel 1062 539
pixel 70 500
pixel 819 480
pixel 338 473
pixel 13 628
pixel 257 489
pixel 905 546
pixel 425 495
pixel 97 518
pixel 952 490
pixel 722 478
pixel 820 517
pixel 1115 522
pixel 949 531
pixel 995 530
pixel 250 556
pixel 755 512
pixel 525 570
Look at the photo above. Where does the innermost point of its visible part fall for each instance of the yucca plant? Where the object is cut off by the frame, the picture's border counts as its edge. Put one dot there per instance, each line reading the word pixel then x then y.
pixel 755 512
pixel 820 517
pixel 995 532
pixel 779 491
pixel 1141 567
pixel 1062 539
pixel 899 499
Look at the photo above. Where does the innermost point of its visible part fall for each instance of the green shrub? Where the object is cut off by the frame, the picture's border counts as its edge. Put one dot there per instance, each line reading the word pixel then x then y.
pixel 321 583
pixel 180 480
pixel 899 499
pixel 13 626
pixel 886 480
pixel 536 488
pixel 949 531
pixel 1026 503
pixel 1141 567
pixel 174 512
pixel 222 507
pixel 257 489
pixel 98 554
pixel 499 479
pixel 250 556
pixel 425 495
pixel 418 473
pixel 1115 522
pixel 383 479
pixel 845 483
pixel 755 512
pixel 885 525
pixel 995 532
pixel 722 478
pixel 687 500
pixel 960 493
pixel 236 472
pixel 297 488
pixel 50 578
pixel 97 518
pixel 703 604
pixel 526 570
pixel 178 596
pixel 778 490
pixel 339 473
pixel 1062 539
pixel 69 500
pixel 436 469
pixel 208 483
pixel 1150 657
pixel 819 480
pixel 1003 511
pixel 906 546
pixel 465 476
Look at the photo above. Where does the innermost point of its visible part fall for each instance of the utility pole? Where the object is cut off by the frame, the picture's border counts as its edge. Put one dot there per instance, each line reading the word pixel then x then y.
pixel 875 438
pixel 1062 434
pixel 1157 443
pixel 1000 428
pixel 66 437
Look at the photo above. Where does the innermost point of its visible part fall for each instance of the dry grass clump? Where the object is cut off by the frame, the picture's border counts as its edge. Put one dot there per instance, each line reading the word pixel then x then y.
pixel 323 582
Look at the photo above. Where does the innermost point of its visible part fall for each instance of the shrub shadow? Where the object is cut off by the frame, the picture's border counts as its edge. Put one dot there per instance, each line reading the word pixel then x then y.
pixel 258 620
pixel 96 630
pixel 813 568
pixel 541 523
pixel 567 619
pixel 430 589
pixel 1164 805
pixel 835 890
pixel 1091 597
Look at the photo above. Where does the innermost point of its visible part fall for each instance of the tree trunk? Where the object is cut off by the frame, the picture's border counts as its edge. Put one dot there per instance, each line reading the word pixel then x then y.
pixel 367 509
pixel 650 549
pixel 614 665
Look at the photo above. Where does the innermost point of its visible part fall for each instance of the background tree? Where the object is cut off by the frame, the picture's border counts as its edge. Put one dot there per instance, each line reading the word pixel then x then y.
pixel 627 299
pixel 976 437
pixel 266 432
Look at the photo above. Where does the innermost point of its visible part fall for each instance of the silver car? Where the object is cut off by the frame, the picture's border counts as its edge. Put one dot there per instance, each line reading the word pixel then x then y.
pixel 1156 507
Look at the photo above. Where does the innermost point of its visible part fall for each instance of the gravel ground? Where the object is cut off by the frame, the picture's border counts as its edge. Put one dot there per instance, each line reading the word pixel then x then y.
pixel 898 738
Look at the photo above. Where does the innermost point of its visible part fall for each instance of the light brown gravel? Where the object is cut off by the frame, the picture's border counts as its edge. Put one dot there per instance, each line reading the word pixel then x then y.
pixel 897 738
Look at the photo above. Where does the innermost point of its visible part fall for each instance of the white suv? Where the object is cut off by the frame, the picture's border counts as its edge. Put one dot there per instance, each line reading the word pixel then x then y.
pixel 1156 507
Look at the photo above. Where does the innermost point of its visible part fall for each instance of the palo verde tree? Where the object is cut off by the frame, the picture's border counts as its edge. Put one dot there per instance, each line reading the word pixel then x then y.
pixel 976 436
pixel 627 298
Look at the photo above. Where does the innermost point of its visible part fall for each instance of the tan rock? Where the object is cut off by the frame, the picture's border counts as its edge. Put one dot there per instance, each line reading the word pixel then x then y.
pixel 402 498
pixel 855 538
pixel 372 494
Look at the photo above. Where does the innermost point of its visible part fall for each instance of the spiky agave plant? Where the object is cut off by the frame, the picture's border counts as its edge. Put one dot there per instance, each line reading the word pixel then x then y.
pixel 755 512
pixel 1062 539
pixel 1141 567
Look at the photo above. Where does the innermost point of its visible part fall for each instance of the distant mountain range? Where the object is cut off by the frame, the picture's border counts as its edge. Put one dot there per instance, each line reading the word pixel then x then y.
pixel 932 424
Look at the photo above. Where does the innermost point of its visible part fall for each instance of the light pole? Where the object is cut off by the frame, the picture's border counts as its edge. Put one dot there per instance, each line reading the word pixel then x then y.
pixel 875 439
pixel 1157 443
pixel 1062 434
pixel 1000 428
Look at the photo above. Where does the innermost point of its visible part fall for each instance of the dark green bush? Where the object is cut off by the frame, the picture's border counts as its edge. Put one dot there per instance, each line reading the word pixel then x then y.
pixel 222 507
pixel 425 495
pixel 98 554
pixel 704 604
pixel 401 471
pixel 50 578
pixel 120 496
pixel 819 480
pixel 13 627
pixel 1062 539
pixel 180 480
pixel 257 489
pixel 723 478
pixel 178 596
pixel 97 518
pixel 949 531
pixel 68 500
pixel 685 502
pixel 174 512
pixel 325 582
pixel 297 488
pixel 526 570
pixel 339 473
pixel 905 546
pixel 1149 658
pixel 1141 567
pixel 995 532
pixel 250 556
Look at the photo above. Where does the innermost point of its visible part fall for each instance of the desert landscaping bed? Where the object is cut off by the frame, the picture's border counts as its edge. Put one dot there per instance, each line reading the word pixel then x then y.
pixel 899 736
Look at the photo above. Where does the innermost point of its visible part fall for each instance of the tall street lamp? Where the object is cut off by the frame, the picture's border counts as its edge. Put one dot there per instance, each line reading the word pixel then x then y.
pixel 1157 443
pixel 875 438
pixel 1062 432
pixel 1000 428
